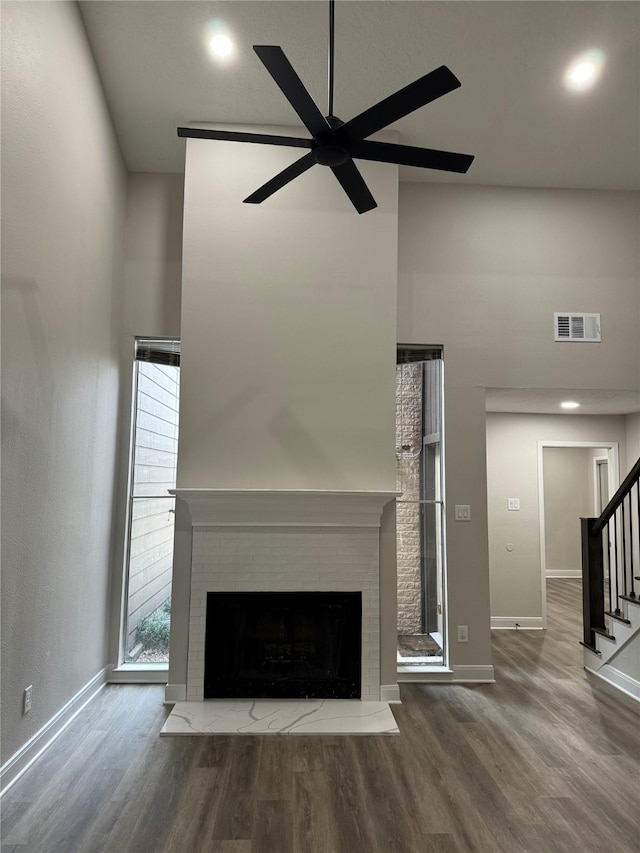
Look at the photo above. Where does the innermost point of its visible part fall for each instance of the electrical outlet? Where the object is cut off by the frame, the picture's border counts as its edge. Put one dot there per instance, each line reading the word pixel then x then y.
pixel 26 699
pixel 463 634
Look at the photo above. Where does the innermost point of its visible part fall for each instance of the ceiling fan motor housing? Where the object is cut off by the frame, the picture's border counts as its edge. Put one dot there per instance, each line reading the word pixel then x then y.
pixel 328 154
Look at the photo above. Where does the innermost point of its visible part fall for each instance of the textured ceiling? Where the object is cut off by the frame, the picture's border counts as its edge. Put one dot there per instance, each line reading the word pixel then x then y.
pixel 512 111
pixel 547 401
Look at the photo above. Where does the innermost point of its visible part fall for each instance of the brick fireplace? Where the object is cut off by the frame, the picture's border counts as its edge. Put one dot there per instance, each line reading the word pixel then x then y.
pixel 285 541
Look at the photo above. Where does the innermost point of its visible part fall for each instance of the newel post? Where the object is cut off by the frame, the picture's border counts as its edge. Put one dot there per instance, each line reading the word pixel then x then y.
pixel 592 581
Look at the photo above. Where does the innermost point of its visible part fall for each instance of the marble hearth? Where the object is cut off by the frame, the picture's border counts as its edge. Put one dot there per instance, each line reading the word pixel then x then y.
pixel 285 541
pixel 281 717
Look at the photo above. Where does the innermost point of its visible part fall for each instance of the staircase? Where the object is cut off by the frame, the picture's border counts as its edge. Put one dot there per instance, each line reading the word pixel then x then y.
pixel 611 588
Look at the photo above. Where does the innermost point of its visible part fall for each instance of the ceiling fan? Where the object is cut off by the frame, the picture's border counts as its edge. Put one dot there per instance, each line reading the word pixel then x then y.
pixel 335 143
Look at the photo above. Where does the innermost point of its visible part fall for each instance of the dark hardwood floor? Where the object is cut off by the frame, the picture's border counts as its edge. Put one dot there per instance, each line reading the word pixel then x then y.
pixel 544 761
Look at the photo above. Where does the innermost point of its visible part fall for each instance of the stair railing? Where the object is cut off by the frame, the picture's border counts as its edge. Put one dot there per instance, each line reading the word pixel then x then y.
pixel 611 558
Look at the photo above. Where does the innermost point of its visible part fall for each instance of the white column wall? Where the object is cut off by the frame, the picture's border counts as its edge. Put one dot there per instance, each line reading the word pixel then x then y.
pixel 288 340
pixel 288 326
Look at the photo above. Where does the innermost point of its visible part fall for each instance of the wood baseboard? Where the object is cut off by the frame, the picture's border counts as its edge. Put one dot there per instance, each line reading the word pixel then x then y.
pixel 390 693
pixel 15 766
pixel 517 623
pixel 618 680
pixel 175 693
pixel 563 573
pixel 461 674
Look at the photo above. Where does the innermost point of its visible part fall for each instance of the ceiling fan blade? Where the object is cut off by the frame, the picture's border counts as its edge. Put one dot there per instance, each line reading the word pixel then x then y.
pixel 281 179
pixel 233 136
pixel 292 87
pixel 353 184
pixel 433 85
pixel 407 155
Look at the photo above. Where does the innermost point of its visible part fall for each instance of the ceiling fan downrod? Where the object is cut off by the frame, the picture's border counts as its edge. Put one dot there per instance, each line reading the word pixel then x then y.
pixel 332 4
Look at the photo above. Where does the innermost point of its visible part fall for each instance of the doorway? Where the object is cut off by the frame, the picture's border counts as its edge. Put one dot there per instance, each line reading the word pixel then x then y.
pixel 575 479
pixel 601 488
pixel 420 518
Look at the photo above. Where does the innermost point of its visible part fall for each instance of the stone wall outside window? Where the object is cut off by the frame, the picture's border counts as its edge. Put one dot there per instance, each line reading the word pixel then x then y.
pixel 408 462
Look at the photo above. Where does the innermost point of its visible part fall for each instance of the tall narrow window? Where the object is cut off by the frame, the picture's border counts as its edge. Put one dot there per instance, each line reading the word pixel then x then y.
pixel 151 507
pixel 420 529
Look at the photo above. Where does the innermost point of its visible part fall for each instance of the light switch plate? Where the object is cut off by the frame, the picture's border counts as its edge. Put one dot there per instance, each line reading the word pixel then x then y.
pixel 513 504
pixel 462 512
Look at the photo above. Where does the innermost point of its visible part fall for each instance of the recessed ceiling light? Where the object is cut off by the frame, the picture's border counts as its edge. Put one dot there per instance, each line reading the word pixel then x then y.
pixel 582 74
pixel 584 70
pixel 220 45
pixel 570 404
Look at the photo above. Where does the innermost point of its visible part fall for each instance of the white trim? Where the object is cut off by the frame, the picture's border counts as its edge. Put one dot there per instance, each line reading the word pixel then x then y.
pixel 175 693
pixel 390 693
pixel 591 660
pixel 597 461
pixel 429 661
pixel 618 679
pixel 464 674
pixel 424 674
pixel 482 673
pixel 15 766
pixel 564 573
pixel 123 580
pixel 149 673
pixel 614 476
pixel 284 507
pixel 517 623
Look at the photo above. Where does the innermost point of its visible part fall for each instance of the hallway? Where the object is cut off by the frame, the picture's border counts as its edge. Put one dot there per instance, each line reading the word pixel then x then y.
pixel 544 761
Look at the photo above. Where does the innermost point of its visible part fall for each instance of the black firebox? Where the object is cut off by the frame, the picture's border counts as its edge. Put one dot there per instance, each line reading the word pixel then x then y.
pixel 283 645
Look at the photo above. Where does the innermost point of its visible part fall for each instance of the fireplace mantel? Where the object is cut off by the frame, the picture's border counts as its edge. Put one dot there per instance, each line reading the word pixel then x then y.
pixel 262 540
pixel 284 507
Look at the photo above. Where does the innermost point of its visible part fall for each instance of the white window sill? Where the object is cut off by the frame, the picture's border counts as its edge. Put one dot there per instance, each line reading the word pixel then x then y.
pixel 139 673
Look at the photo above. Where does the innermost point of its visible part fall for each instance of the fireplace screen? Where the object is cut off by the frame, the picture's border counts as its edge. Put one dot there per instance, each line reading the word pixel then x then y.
pixel 283 645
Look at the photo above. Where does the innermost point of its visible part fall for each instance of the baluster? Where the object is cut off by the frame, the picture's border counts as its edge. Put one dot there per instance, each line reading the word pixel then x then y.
pixel 614 573
pixel 606 533
pixel 632 594
pixel 624 550
pixel 638 511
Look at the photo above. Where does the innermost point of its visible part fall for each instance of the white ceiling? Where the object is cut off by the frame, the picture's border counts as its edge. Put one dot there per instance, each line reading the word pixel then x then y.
pixel 513 111
pixel 547 401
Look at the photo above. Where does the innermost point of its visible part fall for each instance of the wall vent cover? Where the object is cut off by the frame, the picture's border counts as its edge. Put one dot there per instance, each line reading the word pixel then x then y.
pixel 576 327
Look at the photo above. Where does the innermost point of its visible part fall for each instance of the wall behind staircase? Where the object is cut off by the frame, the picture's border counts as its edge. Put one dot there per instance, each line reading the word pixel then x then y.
pixel 633 438
pixel 512 471
pixel 481 271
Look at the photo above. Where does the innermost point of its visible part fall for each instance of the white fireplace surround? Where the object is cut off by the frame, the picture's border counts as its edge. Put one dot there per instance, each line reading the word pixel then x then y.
pixel 285 541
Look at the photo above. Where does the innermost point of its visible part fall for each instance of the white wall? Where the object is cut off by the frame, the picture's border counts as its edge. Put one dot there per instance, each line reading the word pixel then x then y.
pixel 633 439
pixel 485 268
pixel 288 326
pixel 512 471
pixel 481 271
pixel 63 197
pixel 151 308
pixel 568 473
pixel 153 255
